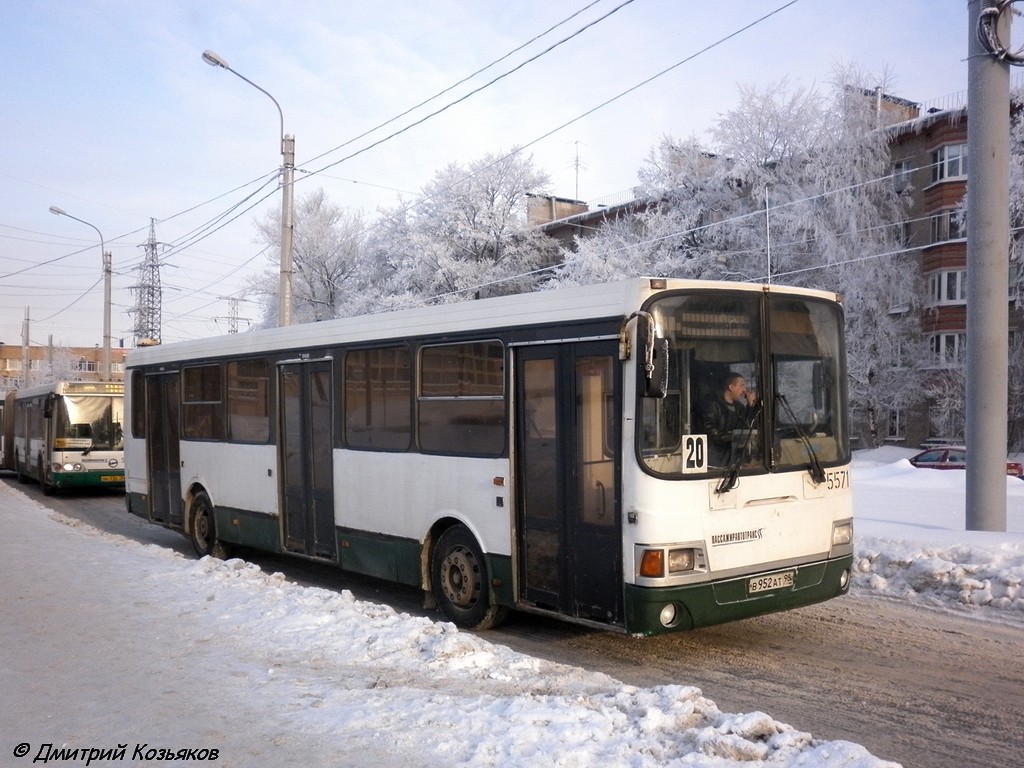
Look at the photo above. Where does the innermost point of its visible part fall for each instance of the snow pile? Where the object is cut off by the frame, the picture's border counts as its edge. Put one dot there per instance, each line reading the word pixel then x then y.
pixel 464 700
pixel 911 542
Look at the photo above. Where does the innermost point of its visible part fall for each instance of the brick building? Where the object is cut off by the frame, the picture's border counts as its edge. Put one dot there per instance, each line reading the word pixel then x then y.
pixel 55 363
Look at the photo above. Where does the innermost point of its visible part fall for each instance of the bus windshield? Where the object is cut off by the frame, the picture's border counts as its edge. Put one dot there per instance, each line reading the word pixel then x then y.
pixel 88 423
pixel 754 385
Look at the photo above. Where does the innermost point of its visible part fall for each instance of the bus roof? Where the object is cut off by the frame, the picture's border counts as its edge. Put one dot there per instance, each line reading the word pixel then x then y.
pixel 577 303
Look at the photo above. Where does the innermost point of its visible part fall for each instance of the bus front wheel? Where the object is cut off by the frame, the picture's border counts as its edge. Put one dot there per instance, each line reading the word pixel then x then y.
pixel 204 529
pixel 459 581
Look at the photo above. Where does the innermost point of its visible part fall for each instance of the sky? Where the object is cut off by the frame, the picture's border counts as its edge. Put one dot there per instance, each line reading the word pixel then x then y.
pixel 108 112
pixel 271 672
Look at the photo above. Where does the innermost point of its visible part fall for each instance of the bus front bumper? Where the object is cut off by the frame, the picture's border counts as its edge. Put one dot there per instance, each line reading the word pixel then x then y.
pixel 657 610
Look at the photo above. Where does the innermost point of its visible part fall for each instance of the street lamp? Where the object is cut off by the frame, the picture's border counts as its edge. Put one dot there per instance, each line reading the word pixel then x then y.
pixel 105 360
pixel 287 194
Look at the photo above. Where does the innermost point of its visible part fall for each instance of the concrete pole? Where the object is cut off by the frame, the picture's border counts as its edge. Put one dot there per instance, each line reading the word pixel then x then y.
pixel 988 244
pixel 106 374
pixel 26 360
pixel 287 227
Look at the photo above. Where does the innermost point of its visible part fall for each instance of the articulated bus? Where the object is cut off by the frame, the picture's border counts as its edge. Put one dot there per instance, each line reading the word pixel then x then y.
pixel 541 452
pixel 66 434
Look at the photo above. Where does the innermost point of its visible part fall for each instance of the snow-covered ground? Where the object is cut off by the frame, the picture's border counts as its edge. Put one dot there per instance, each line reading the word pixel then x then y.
pixel 911 541
pixel 106 644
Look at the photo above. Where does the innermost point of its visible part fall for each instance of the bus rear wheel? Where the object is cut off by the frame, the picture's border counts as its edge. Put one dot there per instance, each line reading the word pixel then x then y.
pixel 204 529
pixel 460 583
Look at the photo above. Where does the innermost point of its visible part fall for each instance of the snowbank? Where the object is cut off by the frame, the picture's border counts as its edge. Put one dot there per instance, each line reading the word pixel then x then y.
pixel 911 543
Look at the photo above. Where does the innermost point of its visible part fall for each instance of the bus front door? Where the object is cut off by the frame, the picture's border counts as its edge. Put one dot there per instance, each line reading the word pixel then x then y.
pixel 163 451
pixel 307 472
pixel 570 544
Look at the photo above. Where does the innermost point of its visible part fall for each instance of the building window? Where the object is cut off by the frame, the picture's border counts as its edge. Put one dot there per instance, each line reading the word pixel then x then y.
pixel 901 175
pixel 945 225
pixel 948 349
pixel 897 425
pixel 947 287
pixel 949 162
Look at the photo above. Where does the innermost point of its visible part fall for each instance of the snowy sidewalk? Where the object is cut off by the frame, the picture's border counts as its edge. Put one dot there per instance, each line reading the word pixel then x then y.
pixel 94 654
pixel 107 643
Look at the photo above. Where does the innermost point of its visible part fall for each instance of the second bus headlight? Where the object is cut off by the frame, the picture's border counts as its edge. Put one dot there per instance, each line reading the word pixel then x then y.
pixel 680 560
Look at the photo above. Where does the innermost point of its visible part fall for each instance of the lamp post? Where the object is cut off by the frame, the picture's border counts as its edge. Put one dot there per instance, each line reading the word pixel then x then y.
pixel 105 360
pixel 287 194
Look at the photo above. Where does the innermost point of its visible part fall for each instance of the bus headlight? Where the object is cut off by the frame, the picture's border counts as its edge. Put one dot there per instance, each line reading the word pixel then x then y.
pixel 842 533
pixel 69 467
pixel 680 560
pixel 668 615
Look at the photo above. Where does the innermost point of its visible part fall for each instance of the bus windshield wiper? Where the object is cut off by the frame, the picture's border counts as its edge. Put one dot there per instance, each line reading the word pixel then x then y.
pixel 813 466
pixel 732 475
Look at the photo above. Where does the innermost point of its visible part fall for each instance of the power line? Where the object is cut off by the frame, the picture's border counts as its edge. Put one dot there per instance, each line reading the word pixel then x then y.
pixel 467 78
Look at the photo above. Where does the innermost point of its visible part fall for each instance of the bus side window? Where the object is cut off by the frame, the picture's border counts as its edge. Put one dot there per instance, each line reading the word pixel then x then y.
pixel 202 409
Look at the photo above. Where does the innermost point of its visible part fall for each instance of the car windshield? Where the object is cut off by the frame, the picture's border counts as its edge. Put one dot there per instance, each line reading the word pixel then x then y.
pixel 752 412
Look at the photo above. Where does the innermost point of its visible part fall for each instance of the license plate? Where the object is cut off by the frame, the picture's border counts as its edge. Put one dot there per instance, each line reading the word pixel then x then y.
pixel 111 479
pixel 784 580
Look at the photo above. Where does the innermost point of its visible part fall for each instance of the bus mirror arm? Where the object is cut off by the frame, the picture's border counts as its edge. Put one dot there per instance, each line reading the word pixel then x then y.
pixel 655 354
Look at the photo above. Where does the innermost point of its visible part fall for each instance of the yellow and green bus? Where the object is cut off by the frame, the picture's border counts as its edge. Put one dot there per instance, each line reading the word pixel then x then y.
pixel 66 434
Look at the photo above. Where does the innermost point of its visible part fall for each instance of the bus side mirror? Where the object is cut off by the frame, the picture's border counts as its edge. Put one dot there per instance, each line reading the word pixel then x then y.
pixel 657 370
pixel 48 405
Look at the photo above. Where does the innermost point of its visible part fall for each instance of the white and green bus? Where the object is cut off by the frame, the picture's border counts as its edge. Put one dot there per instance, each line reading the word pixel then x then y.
pixel 541 452
pixel 66 434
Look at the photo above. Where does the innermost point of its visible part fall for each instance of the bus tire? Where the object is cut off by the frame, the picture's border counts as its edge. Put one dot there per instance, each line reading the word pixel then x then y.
pixel 203 528
pixel 459 581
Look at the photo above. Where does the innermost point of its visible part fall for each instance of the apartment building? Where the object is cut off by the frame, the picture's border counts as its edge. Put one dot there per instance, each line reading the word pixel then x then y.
pixel 930 167
pixel 47 364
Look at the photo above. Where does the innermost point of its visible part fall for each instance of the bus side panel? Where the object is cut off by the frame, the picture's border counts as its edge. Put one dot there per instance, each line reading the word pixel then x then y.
pixel 406 493
pixel 245 477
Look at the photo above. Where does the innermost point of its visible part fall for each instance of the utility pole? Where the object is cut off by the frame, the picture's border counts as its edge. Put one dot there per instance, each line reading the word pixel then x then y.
pixel 988 246
pixel 26 361
pixel 149 293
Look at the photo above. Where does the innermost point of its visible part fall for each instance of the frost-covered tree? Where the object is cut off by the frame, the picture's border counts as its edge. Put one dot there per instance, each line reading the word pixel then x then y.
pixel 684 193
pixel 796 191
pixel 466 235
pixel 1016 372
pixel 328 251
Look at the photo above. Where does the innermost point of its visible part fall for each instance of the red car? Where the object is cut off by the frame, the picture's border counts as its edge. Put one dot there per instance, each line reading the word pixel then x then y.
pixel 955 457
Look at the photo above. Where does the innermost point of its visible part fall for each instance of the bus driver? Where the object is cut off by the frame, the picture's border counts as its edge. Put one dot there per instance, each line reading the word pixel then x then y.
pixel 729 411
